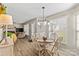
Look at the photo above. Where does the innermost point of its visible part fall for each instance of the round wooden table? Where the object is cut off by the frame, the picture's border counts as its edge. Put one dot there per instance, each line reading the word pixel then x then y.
pixel 43 51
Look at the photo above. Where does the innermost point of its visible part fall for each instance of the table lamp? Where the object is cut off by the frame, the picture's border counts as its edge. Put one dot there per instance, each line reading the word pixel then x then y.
pixel 5 20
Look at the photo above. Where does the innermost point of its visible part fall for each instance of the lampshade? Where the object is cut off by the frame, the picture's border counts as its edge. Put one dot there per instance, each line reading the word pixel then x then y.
pixel 5 19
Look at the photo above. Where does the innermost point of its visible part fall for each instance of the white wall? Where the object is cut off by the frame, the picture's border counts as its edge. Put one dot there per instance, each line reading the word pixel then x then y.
pixel 18 25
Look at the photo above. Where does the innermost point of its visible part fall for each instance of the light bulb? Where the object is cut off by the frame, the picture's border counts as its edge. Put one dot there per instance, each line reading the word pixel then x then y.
pixel 48 23
pixel 45 23
pixel 38 23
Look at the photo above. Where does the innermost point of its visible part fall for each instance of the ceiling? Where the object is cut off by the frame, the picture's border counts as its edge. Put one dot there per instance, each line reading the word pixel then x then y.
pixel 22 12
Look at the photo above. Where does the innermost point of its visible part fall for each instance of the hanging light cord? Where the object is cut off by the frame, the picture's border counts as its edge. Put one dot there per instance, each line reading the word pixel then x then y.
pixel 43 13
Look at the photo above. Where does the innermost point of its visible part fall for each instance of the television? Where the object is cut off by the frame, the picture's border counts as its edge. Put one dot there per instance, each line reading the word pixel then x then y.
pixel 19 30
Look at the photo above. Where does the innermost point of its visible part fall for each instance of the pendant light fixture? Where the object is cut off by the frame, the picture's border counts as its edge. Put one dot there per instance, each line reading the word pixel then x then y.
pixel 43 18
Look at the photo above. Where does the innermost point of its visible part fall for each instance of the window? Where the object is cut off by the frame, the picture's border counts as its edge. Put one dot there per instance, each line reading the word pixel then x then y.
pixel 77 30
pixel 78 23
pixel 26 29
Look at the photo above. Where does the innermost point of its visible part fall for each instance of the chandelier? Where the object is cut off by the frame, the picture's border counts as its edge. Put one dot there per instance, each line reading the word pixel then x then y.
pixel 43 20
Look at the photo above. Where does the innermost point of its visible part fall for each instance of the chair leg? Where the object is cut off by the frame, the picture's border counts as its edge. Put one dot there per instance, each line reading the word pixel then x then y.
pixel 58 53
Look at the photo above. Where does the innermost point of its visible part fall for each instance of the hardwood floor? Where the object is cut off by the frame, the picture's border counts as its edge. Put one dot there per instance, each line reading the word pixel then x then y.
pixel 67 51
pixel 25 48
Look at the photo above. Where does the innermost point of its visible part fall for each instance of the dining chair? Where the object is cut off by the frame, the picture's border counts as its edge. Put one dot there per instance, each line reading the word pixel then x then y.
pixel 54 47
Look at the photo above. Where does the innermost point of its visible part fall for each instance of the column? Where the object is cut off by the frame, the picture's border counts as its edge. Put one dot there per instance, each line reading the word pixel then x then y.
pixel 30 31
pixel 35 27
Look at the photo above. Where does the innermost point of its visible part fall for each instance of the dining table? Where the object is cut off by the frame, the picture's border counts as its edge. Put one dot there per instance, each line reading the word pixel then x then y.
pixel 43 46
